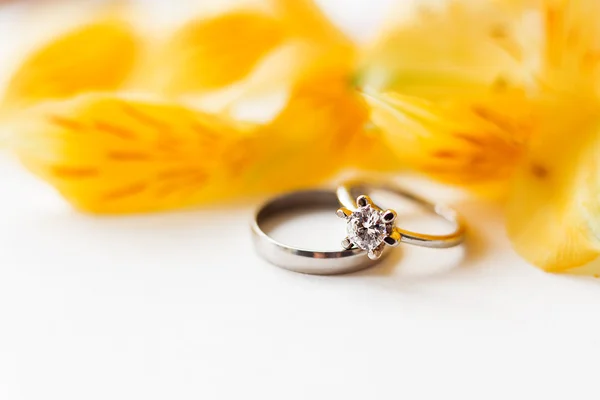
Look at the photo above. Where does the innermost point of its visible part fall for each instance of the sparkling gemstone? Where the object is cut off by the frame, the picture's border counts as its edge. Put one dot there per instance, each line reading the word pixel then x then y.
pixel 366 228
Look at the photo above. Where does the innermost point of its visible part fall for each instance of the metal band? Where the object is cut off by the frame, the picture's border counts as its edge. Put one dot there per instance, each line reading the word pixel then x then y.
pixel 302 260
pixel 348 192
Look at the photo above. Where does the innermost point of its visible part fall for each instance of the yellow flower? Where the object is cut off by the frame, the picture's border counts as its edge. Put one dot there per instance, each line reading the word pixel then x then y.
pixel 112 155
pixel 96 55
pixel 448 89
pixel 498 96
pixel 510 101
pixel 123 129
pixel 554 207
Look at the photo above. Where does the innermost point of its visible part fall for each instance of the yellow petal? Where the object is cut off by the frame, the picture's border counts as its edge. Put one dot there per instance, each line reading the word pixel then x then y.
pixel 447 87
pixel 367 150
pixel 98 56
pixel 554 210
pixel 109 155
pixel 459 47
pixel 303 18
pixel 553 215
pixel 208 54
pixel 296 63
pixel 571 59
pixel 313 136
pixel 474 144
pixel 213 53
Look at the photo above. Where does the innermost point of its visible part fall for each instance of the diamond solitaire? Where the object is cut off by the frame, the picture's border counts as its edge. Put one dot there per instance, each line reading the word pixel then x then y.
pixel 366 228
pixel 369 228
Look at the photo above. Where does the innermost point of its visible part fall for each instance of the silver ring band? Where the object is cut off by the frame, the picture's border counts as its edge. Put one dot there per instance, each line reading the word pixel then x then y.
pixel 349 191
pixel 302 260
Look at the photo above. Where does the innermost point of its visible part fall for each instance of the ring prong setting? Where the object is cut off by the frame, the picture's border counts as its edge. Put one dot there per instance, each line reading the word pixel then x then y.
pixel 364 201
pixel 389 216
pixel 343 213
pixel 347 244
pixel 376 253
pixel 393 239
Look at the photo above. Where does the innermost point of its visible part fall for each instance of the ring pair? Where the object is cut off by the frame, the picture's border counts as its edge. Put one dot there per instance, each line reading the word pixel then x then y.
pixel 370 228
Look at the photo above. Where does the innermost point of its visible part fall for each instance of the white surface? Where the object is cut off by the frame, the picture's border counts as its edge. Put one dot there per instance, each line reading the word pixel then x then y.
pixel 177 306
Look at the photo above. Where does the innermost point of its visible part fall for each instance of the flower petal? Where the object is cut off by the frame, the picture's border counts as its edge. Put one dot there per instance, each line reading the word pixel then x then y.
pixel 468 144
pixel 109 155
pixel 98 56
pixel 314 135
pixel 105 154
pixel 304 19
pixel 212 53
pixel 553 214
pixel 571 51
pixel 461 46
pixel 447 88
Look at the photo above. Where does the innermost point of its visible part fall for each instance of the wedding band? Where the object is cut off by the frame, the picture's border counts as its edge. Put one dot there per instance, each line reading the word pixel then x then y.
pixel 303 260
pixel 370 228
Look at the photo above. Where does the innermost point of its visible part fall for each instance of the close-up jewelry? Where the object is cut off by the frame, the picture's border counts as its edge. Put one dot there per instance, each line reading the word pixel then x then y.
pixel 297 259
pixel 369 228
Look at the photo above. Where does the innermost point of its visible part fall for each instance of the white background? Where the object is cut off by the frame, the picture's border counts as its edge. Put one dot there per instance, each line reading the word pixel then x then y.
pixel 178 306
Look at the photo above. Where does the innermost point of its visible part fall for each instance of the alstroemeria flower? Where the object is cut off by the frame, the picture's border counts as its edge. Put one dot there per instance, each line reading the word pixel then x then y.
pixel 498 96
pixel 123 127
pixel 511 102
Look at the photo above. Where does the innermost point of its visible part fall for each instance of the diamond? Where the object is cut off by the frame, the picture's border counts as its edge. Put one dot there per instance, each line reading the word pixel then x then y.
pixel 366 227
